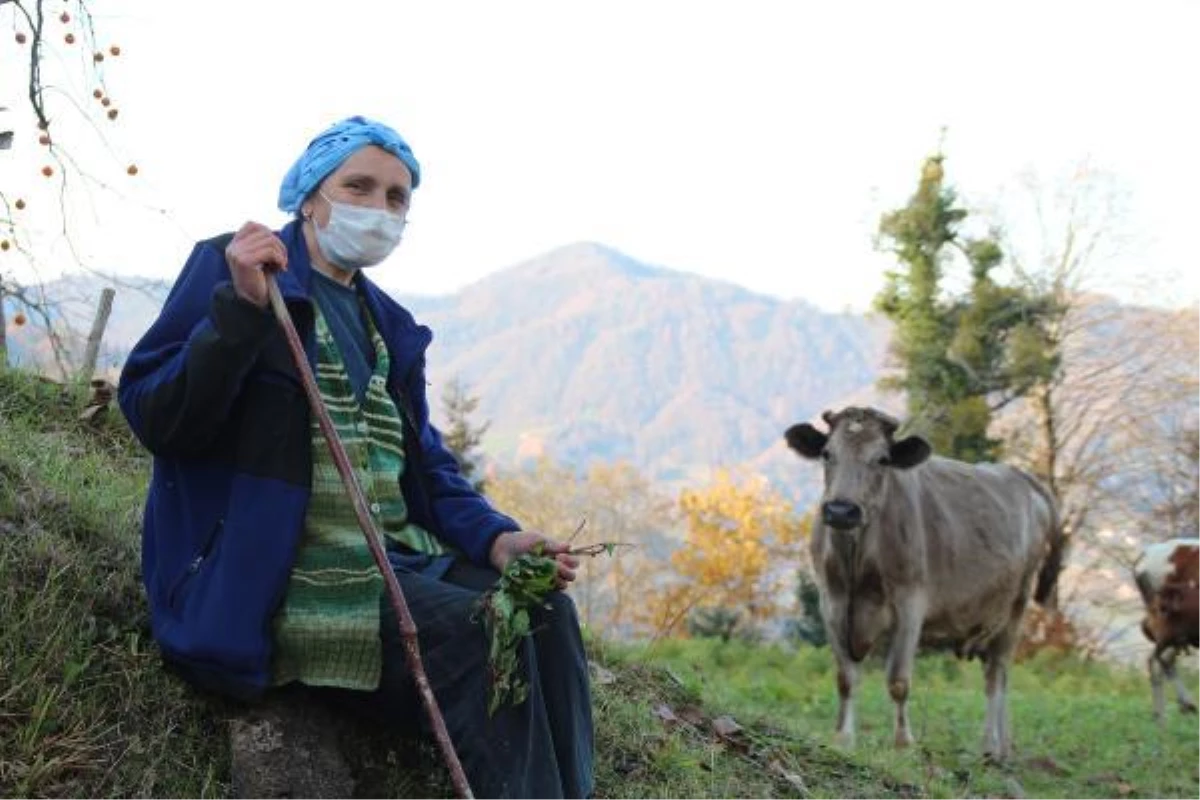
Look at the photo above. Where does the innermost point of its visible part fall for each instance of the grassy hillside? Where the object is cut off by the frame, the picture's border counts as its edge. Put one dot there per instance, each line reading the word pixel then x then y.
pixel 84 707
pixel 87 710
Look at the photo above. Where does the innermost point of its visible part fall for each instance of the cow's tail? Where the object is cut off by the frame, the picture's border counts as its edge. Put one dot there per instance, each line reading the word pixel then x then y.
pixel 1047 578
pixel 1052 564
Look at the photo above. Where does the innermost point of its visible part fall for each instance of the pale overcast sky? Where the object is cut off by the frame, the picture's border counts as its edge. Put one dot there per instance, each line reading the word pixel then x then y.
pixel 757 142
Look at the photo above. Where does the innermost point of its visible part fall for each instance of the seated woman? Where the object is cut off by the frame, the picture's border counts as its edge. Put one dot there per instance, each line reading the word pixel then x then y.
pixel 257 573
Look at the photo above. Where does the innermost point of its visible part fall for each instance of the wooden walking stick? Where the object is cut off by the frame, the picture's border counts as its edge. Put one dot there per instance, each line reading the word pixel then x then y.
pixel 408 628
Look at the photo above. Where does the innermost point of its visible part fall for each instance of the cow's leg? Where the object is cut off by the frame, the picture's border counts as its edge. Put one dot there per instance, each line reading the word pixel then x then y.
pixel 847 678
pixel 997 742
pixel 847 670
pixel 1162 664
pixel 910 613
pixel 1186 703
pixel 1155 667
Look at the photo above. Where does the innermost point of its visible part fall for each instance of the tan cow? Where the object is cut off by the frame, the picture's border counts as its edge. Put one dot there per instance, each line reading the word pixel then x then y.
pixel 928 549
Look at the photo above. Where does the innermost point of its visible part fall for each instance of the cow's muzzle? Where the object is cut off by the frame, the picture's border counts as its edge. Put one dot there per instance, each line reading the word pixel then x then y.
pixel 842 514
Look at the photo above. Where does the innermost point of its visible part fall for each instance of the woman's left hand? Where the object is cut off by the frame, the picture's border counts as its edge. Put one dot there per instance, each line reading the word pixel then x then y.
pixel 508 546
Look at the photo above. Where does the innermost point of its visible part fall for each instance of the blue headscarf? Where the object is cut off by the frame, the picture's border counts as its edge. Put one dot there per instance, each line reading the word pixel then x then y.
pixel 332 147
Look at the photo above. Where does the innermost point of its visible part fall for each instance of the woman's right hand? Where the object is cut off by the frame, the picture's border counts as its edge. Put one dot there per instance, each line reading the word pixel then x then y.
pixel 253 248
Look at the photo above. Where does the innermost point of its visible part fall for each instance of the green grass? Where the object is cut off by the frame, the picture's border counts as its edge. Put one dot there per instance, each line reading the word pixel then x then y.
pixel 1080 729
pixel 86 709
pixel 644 751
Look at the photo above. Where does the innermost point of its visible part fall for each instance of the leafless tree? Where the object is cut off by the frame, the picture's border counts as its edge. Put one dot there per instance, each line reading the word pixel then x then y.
pixel 1159 436
pixel 62 108
pixel 1071 228
pixel 1109 433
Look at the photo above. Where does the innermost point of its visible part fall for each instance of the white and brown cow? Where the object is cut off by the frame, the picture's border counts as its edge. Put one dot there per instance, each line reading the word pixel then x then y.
pixel 1166 574
pixel 927 549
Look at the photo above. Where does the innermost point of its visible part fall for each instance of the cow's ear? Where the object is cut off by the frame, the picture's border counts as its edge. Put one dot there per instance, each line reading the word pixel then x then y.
pixel 806 440
pixel 909 452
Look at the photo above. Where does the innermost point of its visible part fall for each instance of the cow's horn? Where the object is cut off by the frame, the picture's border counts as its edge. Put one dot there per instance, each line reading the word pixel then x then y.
pixel 890 423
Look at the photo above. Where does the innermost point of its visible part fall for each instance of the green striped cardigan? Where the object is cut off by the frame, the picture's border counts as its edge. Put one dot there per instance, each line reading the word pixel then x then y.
pixel 327 630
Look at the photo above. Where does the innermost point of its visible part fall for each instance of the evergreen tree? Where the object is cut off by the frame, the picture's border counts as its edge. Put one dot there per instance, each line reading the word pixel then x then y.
pixel 960 358
pixel 462 437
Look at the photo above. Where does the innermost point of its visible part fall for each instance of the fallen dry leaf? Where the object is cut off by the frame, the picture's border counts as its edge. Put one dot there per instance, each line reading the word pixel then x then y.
pixel 792 778
pixel 725 726
pixel 664 712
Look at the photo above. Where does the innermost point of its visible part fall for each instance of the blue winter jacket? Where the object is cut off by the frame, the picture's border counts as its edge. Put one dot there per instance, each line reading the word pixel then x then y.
pixel 213 392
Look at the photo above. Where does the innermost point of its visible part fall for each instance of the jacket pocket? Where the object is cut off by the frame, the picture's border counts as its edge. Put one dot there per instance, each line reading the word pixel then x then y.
pixel 179 587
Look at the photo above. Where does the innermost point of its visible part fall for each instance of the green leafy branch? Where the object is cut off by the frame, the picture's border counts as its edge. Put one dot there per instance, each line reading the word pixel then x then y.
pixel 505 611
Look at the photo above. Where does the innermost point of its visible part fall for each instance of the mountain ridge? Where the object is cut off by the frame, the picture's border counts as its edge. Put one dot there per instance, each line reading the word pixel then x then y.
pixel 585 354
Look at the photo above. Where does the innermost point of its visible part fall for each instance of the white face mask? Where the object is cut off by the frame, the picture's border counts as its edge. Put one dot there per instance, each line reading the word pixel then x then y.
pixel 357 237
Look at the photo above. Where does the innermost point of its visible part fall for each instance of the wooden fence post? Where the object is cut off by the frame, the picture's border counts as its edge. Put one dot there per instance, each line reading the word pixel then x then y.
pixel 93 340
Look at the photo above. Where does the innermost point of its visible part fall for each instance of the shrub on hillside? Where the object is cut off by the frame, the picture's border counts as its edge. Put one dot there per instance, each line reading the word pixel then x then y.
pixel 1051 630
pixel 809 627
pixel 720 623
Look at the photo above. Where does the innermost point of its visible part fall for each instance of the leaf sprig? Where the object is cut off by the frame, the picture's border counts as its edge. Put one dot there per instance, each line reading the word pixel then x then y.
pixel 505 612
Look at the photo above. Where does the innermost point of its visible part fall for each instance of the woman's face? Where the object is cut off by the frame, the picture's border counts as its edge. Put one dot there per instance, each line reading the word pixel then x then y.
pixel 372 177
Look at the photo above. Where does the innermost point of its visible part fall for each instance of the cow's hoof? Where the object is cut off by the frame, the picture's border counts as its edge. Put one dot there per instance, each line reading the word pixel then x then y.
pixel 904 739
pixel 843 740
pixel 1187 708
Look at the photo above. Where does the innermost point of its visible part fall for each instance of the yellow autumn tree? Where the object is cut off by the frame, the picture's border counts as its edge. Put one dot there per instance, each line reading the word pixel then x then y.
pixel 741 540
